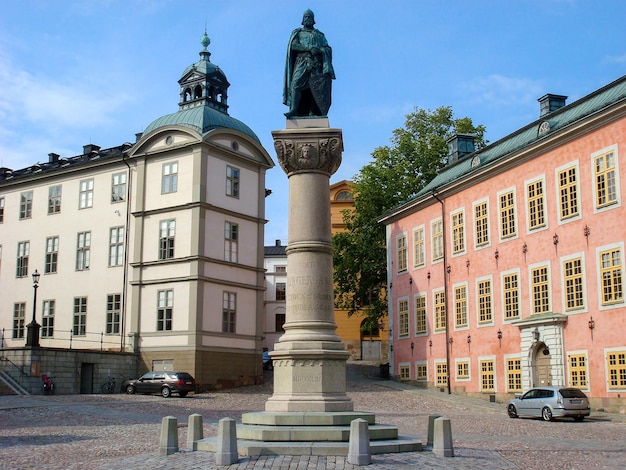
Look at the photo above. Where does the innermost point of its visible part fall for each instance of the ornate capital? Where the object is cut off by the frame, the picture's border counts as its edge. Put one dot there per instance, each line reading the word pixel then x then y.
pixel 306 150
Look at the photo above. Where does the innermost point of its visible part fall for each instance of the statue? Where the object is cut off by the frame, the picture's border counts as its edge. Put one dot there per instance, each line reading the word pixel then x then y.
pixel 308 71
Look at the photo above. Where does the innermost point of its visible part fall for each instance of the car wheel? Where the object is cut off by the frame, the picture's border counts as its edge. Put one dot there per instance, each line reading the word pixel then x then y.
pixel 546 414
pixel 512 411
pixel 182 394
pixel 579 418
pixel 130 389
pixel 166 392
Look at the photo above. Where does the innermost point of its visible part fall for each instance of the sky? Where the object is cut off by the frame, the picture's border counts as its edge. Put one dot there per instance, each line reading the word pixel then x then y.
pixel 88 71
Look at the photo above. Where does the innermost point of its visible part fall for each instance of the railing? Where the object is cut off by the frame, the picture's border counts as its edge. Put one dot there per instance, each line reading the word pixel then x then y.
pixel 66 339
pixel 5 366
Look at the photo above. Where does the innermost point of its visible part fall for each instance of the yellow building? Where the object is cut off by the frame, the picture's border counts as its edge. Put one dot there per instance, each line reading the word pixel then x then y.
pixel 362 345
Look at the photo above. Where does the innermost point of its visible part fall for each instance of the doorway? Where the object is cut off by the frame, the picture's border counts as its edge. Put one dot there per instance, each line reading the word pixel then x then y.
pixel 542 368
pixel 86 377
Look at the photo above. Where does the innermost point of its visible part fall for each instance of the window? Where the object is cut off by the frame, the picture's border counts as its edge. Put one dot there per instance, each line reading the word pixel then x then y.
pixel 344 196
pixel 418 247
pixel 169 181
pixel 611 272
pixel 420 314
pixel 487 383
pixel 26 205
pixel 616 362
pixel 23 251
pixel 568 192
pixel 229 312
pixel 231 237
pixel 116 246
pixel 578 371
pixel 541 290
pixel 401 253
pixel 422 372
pixel 514 374
pixel 19 315
pixel 1 210
pixel 85 196
pixel 281 269
pixel 462 370
pixel 458 232
pixel 232 181
pixel 118 187
pixel 165 307
pixel 481 222
pixel 460 305
pixel 437 235
pixel 52 255
pixel 279 325
pixel 573 273
pixel 114 303
pixel 80 316
pixel 83 251
pixel 54 199
pixel 47 321
pixel 281 291
pixel 510 285
pixel 536 210
pixel 440 310
pixel 507 215
pixel 167 233
pixel 403 317
pixel 405 372
pixel 485 313
pixel 442 373
pixel 605 179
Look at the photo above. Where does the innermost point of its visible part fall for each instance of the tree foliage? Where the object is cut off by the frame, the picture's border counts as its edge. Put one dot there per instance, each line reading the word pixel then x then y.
pixel 396 173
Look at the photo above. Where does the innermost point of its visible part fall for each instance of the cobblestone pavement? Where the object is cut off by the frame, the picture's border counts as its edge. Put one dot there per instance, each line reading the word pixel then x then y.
pixel 122 431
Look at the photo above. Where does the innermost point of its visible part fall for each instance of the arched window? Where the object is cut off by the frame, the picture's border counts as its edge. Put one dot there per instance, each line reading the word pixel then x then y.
pixel 197 92
pixel 344 196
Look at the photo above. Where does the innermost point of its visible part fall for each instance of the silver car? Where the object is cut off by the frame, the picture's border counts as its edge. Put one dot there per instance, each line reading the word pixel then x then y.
pixel 549 403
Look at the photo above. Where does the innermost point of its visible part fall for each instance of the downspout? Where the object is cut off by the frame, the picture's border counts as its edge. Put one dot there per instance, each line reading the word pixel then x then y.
pixel 126 238
pixel 445 286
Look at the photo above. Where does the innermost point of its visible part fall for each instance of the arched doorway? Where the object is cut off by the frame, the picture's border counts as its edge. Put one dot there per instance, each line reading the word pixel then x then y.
pixel 370 344
pixel 541 365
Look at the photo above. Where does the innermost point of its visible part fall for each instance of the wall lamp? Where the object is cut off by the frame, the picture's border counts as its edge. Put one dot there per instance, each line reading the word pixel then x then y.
pixel 536 334
pixel 500 337
pixel 592 326
pixel 469 339
pixel 412 347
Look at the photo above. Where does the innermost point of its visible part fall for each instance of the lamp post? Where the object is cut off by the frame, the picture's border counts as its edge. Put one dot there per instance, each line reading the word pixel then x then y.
pixel 32 333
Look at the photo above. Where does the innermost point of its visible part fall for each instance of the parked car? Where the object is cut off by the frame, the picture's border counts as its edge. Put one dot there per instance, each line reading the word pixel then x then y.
pixel 164 383
pixel 549 403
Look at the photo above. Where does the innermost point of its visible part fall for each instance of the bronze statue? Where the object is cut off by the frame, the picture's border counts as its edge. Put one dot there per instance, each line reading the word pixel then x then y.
pixel 308 71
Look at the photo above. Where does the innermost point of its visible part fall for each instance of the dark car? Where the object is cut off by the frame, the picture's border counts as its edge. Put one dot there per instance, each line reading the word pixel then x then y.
pixel 548 403
pixel 164 383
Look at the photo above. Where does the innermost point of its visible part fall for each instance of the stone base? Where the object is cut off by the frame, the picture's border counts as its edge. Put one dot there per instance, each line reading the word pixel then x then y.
pixel 310 433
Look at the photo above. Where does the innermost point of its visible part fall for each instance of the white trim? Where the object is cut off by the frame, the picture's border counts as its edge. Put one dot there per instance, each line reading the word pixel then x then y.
pixel 489 278
pixel 539 228
pixel 563 260
pixel 461 210
pixel 599 249
pixel 512 189
pixel 520 301
pixel 573 164
pixel 618 203
pixel 490 232
pixel 458 360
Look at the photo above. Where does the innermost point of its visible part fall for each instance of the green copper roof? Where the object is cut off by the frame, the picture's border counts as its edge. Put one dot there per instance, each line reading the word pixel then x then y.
pixel 202 119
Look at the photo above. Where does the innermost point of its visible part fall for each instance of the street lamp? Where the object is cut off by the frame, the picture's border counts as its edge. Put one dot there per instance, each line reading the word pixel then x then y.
pixel 32 333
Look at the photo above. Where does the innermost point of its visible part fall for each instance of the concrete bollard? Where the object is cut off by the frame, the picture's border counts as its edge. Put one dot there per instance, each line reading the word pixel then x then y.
pixel 442 442
pixel 431 428
pixel 359 452
pixel 226 442
pixel 169 436
pixel 194 430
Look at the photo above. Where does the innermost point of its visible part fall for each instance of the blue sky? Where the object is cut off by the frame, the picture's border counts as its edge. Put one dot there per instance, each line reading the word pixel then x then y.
pixel 79 72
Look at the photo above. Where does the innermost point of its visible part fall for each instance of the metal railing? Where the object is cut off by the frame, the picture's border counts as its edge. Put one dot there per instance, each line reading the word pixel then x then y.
pixel 65 339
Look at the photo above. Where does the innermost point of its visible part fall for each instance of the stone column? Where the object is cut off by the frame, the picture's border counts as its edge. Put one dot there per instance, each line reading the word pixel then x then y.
pixel 309 359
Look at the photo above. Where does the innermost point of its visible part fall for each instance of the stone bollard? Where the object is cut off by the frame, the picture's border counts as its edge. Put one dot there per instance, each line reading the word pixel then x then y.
pixel 226 442
pixel 442 442
pixel 431 429
pixel 359 446
pixel 169 436
pixel 194 430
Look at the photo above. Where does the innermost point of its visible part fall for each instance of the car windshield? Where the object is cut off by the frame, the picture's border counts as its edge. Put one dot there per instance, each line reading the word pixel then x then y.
pixel 572 393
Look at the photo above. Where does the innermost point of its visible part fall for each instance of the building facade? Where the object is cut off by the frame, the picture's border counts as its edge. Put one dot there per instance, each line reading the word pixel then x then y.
pixel 275 293
pixel 154 247
pixel 506 271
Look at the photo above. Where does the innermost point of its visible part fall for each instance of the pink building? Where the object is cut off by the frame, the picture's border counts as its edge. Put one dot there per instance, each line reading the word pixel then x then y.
pixel 507 270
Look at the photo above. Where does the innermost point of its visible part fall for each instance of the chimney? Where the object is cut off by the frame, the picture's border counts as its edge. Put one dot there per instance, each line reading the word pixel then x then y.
pixel 459 146
pixel 138 136
pixel 549 103
pixel 53 157
pixel 277 243
pixel 87 149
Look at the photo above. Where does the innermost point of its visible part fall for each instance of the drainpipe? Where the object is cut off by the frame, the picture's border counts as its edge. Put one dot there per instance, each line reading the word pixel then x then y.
pixel 445 286
pixel 126 238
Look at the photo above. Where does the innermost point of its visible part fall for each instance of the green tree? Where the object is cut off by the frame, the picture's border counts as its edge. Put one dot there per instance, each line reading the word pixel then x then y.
pixel 396 174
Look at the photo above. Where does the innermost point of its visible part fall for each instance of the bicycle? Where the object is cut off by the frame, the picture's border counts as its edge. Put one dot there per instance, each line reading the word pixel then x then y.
pixel 108 386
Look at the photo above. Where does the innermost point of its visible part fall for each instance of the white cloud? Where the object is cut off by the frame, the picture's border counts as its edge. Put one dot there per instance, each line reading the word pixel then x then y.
pixel 499 90
pixel 616 59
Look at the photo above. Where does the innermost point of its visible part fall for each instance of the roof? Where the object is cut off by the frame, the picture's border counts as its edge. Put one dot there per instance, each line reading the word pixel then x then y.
pixel 274 250
pixel 202 119
pixel 530 134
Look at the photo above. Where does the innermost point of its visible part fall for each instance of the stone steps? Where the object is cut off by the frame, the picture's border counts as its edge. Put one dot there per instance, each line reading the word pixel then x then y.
pixel 311 433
